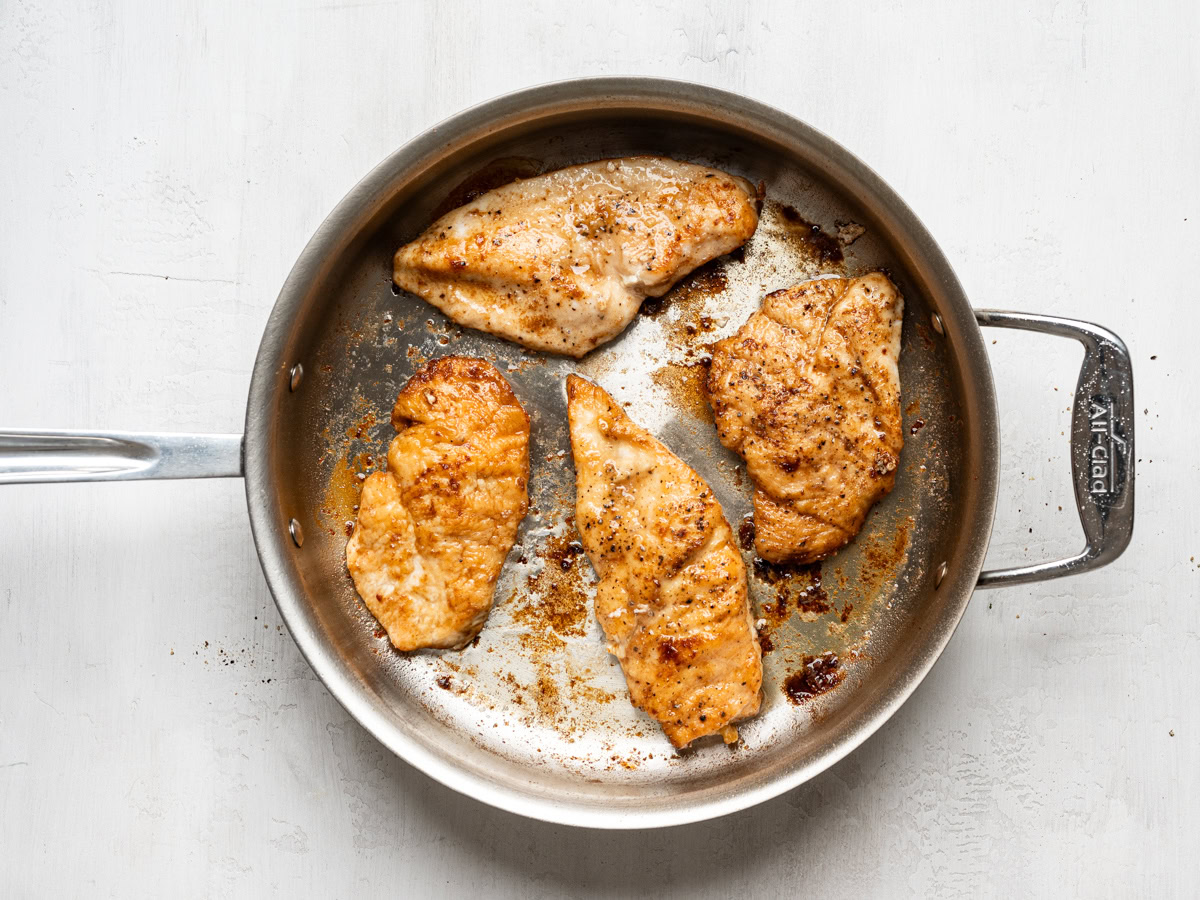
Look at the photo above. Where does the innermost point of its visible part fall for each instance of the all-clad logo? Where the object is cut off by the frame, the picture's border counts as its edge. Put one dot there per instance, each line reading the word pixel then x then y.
pixel 1106 444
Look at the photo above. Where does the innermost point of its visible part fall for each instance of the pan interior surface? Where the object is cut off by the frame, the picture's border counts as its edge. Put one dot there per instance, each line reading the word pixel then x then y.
pixel 534 716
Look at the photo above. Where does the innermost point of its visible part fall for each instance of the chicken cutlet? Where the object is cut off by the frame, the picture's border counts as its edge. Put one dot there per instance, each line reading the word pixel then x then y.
pixel 562 261
pixel 434 529
pixel 671 596
pixel 808 393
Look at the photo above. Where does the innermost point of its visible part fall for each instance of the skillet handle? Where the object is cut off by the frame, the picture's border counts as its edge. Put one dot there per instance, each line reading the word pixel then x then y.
pixel 35 455
pixel 1102 459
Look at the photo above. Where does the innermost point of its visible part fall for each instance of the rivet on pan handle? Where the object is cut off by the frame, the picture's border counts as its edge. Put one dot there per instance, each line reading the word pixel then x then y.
pixel 1102 457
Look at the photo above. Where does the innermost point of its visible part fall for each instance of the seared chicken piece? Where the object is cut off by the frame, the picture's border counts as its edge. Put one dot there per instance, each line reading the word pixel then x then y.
pixel 808 393
pixel 434 529
pixel 562 261
pixel 672 593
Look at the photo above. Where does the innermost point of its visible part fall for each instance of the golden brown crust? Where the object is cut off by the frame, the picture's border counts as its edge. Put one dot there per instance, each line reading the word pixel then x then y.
pixel 434 529
pixel 672 596
pixel 808 393
pixel 560 262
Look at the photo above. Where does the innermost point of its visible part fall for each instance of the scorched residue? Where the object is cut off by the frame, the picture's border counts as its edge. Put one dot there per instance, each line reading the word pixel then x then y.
pixel 816 675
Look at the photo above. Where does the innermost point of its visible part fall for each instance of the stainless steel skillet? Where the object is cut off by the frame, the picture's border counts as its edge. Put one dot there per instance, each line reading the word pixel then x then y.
pixel 533 718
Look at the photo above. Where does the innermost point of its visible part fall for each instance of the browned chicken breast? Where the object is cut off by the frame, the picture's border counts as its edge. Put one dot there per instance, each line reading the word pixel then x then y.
pixel 672 593
pixel 561 262
pixel 808 393
pixel 434 529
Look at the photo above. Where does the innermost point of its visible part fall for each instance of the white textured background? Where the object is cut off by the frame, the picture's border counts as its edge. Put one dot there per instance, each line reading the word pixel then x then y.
pixel 163 165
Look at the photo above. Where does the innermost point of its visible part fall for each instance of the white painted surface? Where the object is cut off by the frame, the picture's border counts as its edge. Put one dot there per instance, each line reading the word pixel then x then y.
pixel 164 164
